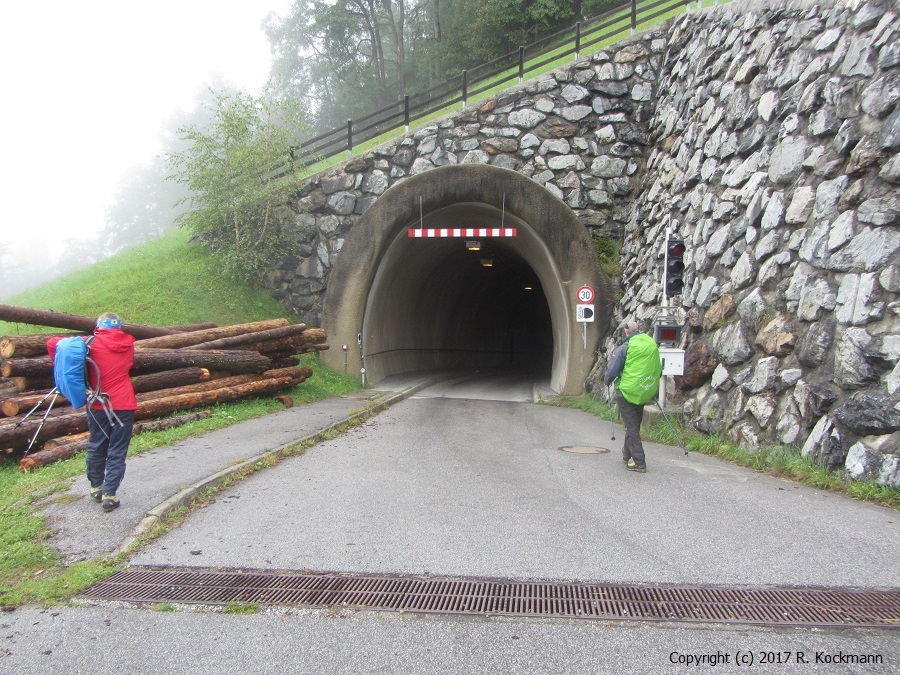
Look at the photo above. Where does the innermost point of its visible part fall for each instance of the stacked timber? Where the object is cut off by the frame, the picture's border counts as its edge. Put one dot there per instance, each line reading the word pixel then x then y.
pixel 176 369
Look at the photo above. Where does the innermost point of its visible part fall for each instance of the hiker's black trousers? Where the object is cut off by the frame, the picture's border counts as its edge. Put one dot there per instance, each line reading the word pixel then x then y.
pixel 631 415
pixel 107 448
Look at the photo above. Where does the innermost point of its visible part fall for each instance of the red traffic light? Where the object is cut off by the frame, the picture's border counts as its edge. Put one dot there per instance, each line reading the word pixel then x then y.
pixel 676 248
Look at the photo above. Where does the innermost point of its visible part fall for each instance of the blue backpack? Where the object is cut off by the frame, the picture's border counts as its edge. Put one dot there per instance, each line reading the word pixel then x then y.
pixel 70 372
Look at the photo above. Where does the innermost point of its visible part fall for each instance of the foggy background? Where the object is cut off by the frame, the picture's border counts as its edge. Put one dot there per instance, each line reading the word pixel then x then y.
pixel 89 90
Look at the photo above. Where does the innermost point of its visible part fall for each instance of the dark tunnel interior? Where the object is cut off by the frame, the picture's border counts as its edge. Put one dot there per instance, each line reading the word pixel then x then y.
pixel 437 305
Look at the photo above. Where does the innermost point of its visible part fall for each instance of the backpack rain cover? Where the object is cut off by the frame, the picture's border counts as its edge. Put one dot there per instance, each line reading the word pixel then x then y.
pixel 69 370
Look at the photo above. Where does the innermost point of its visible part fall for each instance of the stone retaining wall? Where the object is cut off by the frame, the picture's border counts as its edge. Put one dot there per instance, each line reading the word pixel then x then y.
pixel 775 143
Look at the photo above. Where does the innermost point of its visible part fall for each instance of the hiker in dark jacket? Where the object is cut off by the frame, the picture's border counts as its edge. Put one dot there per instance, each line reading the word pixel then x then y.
pixel 112 350
pixel 636 368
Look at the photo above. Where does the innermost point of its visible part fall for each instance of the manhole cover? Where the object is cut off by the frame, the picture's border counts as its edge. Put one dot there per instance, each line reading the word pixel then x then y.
pixel 584 449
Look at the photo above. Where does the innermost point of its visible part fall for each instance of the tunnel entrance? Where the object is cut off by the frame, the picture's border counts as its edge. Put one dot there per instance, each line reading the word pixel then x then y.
pixel 435 304
pixel 431 304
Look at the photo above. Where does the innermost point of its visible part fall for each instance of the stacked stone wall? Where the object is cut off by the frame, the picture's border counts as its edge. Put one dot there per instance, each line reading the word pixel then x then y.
pixel 774 154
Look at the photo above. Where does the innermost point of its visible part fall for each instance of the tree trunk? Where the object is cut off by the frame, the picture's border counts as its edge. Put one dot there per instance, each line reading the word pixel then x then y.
pixel 152 360
pixel 297 374
pixel 163 406
pixel 23 346
pixel 233 361
pixel 294 344
pixel 41 317
pixel 166 379
pixel 197 337
pixel 65 440
pixel 19 436
pixel 33 383
pixel 246 338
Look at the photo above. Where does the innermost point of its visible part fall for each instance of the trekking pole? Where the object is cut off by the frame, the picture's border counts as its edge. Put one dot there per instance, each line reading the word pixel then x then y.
pixel 666 418
pixel 41 425
pixel 38 405
pixel 609 405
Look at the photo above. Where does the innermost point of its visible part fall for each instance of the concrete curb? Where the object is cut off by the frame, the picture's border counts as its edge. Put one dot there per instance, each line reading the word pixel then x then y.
pixel 190 493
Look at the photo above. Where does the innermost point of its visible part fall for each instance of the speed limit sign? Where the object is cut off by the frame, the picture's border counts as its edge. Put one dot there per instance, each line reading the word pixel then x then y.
pixel 585 295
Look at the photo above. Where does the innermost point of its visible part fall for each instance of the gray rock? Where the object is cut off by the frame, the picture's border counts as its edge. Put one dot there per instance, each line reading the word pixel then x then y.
pixel 608 167
pixel 890 172
pixel 863 462
pixel 720 379
pixel 376 183
pixel 526 118
pixel 751 308
pixel 825 444
pixel 732 345
pixel 813 401
pixel 787 160
pixel 476 157
pixel 854 299
pixel 744 270
pixel 881 211
pixel 824 122
pixel 868 413
pixel 867 251
pixel 574 93
pixel 764 374
pixel 890 132
pixel 576 112
pixel 879 97
pixel 852 368
pixel 816 297
pixel 813 346
pixel 342 203
pixel 827 195
pixel 566 162
pixel 842 230
pixel 762 408
pixel 801 206
pixel 774 212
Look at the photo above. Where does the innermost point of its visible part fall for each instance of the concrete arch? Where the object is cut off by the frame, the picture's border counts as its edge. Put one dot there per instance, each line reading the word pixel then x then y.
pixel 429 304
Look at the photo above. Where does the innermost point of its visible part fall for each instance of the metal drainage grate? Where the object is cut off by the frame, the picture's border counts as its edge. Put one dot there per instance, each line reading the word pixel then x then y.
pixel 767 606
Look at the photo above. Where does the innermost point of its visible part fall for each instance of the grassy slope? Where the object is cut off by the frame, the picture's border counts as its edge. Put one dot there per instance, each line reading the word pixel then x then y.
pixel 163 282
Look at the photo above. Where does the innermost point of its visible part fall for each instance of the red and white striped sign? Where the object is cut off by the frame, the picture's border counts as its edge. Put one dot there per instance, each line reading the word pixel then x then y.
pixel 461 232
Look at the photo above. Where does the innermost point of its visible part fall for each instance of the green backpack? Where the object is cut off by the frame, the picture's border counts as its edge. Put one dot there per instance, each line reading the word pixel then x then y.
pixel 639 382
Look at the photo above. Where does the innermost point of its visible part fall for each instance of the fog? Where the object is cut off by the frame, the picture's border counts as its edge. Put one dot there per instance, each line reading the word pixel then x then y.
pixel 89 86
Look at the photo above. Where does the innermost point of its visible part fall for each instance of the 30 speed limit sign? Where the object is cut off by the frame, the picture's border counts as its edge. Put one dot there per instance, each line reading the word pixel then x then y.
pixel 585 295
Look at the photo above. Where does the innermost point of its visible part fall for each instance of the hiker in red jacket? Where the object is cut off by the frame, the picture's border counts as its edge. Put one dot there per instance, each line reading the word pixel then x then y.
pixel 112 350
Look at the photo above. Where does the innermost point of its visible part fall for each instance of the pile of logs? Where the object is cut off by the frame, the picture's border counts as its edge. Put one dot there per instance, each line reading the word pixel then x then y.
pixel 176 368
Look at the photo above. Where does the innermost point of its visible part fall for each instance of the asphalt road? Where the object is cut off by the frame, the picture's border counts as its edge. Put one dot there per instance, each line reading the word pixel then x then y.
pixel 448 484
pixel 451 486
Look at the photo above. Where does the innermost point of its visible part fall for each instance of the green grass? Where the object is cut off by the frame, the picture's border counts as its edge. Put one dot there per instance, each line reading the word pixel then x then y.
pixel 235 607
pixel 780 461
pixel 165 282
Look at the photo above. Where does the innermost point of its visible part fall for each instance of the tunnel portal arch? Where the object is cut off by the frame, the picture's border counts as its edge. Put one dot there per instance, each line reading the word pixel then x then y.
pixel 422 304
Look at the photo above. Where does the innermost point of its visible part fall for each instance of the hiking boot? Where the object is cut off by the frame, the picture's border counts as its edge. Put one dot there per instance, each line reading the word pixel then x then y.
pixel 96 494
pixel 110 502
pixel 631 466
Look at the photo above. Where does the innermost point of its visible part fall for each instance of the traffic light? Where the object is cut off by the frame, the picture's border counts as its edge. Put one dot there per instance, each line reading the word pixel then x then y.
pixel 674 266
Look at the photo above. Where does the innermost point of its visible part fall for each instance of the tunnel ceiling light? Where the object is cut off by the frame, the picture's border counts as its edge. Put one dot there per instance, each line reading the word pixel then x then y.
pixel 487 262
pixel 528 287
pixel 473 245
